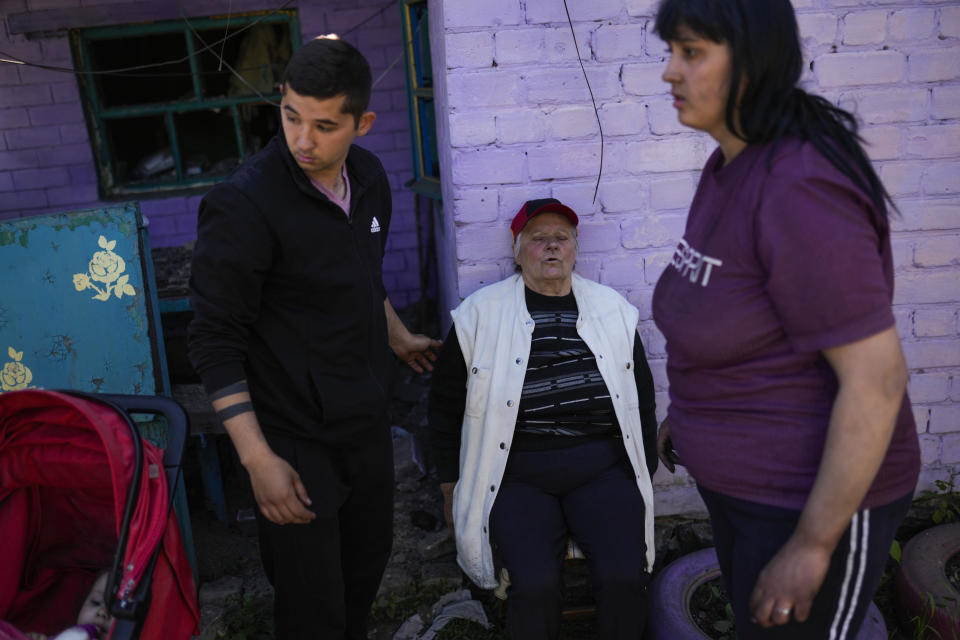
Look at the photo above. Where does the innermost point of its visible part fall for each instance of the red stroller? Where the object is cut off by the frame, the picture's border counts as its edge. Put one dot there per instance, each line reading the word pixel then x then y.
pixel 81 492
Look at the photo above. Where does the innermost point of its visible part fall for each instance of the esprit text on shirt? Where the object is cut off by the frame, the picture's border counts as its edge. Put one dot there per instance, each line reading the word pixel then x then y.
pixel 691 263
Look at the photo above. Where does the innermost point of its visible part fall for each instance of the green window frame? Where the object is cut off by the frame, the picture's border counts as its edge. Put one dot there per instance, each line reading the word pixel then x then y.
pixel 184 126
pixel 419 74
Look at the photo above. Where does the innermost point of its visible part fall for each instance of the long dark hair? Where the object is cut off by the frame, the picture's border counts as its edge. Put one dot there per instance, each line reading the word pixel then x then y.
pixel 765 51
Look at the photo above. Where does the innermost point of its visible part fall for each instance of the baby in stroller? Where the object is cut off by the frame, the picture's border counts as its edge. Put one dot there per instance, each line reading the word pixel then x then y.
pixel 74 469
pixel 93 621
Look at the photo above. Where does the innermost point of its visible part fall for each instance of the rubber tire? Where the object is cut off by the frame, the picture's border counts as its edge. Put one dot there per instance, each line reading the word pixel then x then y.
pixel 923 571
pixel 670 594
pixel 673 586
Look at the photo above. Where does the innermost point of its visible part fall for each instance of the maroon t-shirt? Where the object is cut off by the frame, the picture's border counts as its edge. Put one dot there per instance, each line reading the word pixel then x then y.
pixel 776 264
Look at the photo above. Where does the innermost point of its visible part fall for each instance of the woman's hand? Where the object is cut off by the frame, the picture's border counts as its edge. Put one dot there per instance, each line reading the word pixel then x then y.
pixel 787 585
pixel 665 451
pixel 872 376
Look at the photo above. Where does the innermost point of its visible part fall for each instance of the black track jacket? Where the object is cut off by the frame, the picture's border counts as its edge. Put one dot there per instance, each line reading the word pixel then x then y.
pixel 288 294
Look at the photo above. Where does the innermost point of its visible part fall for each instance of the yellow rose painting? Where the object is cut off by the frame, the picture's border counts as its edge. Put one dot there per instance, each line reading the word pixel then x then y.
pixel 15 375
pixel 105 268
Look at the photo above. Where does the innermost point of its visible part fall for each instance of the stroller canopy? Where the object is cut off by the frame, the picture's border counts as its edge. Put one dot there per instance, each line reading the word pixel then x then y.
pixel 66 465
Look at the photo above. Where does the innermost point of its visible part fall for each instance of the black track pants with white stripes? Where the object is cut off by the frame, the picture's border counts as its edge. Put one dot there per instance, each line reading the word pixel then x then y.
pixel 748 534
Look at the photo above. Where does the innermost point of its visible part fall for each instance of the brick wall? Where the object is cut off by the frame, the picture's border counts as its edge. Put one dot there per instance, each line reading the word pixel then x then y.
pixel 46 164
pixel 519 124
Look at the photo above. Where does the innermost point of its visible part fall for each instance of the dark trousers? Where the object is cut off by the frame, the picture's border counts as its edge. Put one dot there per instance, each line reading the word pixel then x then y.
pixel 589 492
pixel 325 574
pixel 747 535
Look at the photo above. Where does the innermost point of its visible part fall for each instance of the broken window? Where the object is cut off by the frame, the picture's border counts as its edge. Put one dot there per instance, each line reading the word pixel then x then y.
pixel 177 105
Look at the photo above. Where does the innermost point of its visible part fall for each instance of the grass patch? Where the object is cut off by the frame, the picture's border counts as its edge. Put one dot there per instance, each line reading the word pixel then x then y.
pixel 247 618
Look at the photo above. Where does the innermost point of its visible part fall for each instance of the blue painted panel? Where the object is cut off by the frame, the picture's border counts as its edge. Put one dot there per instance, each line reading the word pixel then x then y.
pixel 74 310
pixel 77 298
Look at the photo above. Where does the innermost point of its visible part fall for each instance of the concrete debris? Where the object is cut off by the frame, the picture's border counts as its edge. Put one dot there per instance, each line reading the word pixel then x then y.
pixel 438 545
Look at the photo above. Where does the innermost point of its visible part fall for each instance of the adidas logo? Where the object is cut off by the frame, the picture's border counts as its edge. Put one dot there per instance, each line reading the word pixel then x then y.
pixel 375 225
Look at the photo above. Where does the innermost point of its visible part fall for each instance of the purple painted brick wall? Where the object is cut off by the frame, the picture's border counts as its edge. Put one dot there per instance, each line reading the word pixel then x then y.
pixel 517 123
pixel 46 164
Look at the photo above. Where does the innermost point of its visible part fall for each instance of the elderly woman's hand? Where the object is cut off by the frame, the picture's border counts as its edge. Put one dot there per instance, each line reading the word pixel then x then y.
pixel 665 451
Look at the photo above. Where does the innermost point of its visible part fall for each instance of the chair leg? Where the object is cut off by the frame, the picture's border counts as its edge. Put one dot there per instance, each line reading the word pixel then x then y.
pixel 574 571
pixel 182 511
pixel 210 476
pixel 582 612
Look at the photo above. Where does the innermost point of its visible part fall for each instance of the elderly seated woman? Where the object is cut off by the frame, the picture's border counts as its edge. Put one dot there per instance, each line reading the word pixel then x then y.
pixel 543 427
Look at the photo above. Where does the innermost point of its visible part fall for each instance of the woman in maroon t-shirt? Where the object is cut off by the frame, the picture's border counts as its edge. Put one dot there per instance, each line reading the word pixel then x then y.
pixel 787 379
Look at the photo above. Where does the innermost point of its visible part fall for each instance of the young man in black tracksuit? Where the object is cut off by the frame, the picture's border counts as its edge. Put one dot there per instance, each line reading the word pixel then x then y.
pixel 292 334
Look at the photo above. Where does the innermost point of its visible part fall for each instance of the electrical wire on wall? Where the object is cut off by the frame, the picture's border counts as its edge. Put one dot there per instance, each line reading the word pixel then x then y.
pixel 383 8
pixel 127 71
pixel 12 59
pixel 592 99
pixel 226 32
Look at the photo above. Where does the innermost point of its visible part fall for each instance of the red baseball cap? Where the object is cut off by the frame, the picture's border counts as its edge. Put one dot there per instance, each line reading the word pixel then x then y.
pixel 533 208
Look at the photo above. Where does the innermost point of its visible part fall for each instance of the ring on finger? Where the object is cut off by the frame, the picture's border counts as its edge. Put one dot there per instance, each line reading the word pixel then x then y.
pixel 784 611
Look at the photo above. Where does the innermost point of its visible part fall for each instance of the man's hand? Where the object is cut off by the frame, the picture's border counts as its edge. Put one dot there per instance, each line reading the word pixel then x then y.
pixel 417 350
pixel 278 490
pixel 665 451
pixel 787 585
